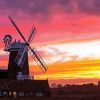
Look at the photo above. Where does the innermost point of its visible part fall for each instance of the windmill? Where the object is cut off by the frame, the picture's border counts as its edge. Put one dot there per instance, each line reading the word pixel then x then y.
pixel 18 59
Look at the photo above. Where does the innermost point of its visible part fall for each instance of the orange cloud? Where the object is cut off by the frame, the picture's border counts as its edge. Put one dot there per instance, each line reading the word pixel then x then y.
pixel 80 71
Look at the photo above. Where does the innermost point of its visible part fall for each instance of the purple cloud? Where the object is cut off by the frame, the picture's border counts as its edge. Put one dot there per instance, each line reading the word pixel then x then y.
pixel 31 6
pixel 89 6
pixel 41 8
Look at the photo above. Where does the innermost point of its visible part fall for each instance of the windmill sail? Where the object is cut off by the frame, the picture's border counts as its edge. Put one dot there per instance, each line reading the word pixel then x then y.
pixel 21 56
pixel 32 34
pixel 36 56
pixel 12 21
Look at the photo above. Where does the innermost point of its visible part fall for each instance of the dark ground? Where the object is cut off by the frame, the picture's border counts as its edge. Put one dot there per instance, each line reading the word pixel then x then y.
pixel 54 98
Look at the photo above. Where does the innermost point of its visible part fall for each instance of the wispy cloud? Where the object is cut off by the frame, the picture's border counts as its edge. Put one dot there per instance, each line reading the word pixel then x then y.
pixel 65 52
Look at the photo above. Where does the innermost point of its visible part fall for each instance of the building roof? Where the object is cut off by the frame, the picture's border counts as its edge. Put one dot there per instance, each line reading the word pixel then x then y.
pixel 25 85
pixel 3 85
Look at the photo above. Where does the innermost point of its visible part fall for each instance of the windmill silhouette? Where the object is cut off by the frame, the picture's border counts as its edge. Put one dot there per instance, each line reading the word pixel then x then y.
pixel 18 58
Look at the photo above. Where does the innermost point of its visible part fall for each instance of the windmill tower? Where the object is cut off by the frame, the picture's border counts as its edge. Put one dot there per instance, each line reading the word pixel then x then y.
pixel 18 66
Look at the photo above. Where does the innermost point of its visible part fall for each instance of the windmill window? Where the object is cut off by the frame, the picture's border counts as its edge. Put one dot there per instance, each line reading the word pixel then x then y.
pixel 4 93
pixel 14 94
pixel 10 93
pixel 31 93
pixel 39 94
pixel 21 93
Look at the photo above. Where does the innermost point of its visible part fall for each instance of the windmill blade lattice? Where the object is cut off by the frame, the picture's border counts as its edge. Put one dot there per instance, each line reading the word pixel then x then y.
pixel 38 59
pixel 32 34
pixel 21 56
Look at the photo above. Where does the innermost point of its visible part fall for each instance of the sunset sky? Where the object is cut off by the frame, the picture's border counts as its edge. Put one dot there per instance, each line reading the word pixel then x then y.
pixel 68 37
